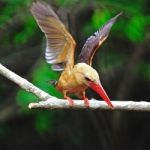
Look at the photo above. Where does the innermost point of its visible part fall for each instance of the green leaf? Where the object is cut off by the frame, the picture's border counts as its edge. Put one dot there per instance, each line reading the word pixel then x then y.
pixel 135 29
pixel 100 17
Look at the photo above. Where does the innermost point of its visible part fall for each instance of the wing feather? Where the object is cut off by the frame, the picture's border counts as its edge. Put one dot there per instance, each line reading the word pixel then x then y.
pixel 60 43
pixel 94 42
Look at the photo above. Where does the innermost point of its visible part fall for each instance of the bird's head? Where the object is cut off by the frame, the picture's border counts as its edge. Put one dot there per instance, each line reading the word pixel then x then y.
pixel 88 76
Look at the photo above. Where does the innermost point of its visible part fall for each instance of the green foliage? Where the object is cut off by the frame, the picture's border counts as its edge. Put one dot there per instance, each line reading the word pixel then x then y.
pixel 63 2
pixel 131 25
pixel 18 2
pixel 23 98
pixel 6 14
pixel 17 10
pixel 70 2
pixel 28 30
pixel 11 9
pixel 126 6
pixel 135 28
pixel 44 122
pixel 99 18
pixel 143 70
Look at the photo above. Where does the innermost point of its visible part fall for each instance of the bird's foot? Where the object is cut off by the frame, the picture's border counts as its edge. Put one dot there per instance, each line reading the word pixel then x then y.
pixel 86 101
pixel 71 102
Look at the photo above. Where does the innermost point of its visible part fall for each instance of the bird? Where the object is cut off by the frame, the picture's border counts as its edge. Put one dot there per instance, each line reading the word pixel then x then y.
pixel 59 52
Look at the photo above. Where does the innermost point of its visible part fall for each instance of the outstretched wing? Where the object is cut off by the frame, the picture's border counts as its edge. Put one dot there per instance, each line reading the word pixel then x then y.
pixel 60 44
pixel 94 42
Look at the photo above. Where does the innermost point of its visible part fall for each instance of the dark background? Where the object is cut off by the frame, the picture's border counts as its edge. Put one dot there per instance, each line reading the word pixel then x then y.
pixel 122 62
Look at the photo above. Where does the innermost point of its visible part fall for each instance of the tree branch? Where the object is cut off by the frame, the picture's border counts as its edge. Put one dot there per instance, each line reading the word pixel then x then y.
pixel 94 104
pixel 50 102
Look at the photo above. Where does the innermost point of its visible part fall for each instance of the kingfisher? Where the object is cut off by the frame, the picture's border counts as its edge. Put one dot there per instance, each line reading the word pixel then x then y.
pixel 60 48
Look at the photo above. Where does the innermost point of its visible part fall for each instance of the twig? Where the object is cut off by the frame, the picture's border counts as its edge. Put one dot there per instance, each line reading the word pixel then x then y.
pixel 50 102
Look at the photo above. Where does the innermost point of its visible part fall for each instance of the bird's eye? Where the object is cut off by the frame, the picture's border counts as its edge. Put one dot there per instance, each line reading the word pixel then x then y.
pixel 88 79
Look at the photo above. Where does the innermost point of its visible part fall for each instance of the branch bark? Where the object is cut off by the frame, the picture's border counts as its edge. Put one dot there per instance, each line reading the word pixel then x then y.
pixel 94 104
pixel 50 102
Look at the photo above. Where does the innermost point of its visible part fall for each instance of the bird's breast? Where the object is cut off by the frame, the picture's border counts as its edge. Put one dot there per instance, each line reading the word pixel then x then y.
pixel 68 82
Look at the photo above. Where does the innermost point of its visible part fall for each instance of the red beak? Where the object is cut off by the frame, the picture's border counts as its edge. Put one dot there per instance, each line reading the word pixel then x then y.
pixel 100 90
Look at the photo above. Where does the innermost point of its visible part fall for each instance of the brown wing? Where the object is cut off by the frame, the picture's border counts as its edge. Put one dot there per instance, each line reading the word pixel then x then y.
pixel 94 41
pixel 60 44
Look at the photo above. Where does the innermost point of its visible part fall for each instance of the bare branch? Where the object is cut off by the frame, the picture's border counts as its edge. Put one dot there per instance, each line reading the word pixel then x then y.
pixel 50 102
pixel 94 104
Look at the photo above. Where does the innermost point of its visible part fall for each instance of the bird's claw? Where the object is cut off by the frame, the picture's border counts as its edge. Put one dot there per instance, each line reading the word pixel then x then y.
pixel 86 101
pixel 70 101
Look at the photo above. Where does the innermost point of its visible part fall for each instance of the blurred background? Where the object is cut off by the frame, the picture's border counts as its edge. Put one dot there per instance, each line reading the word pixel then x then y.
pixel 123 63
